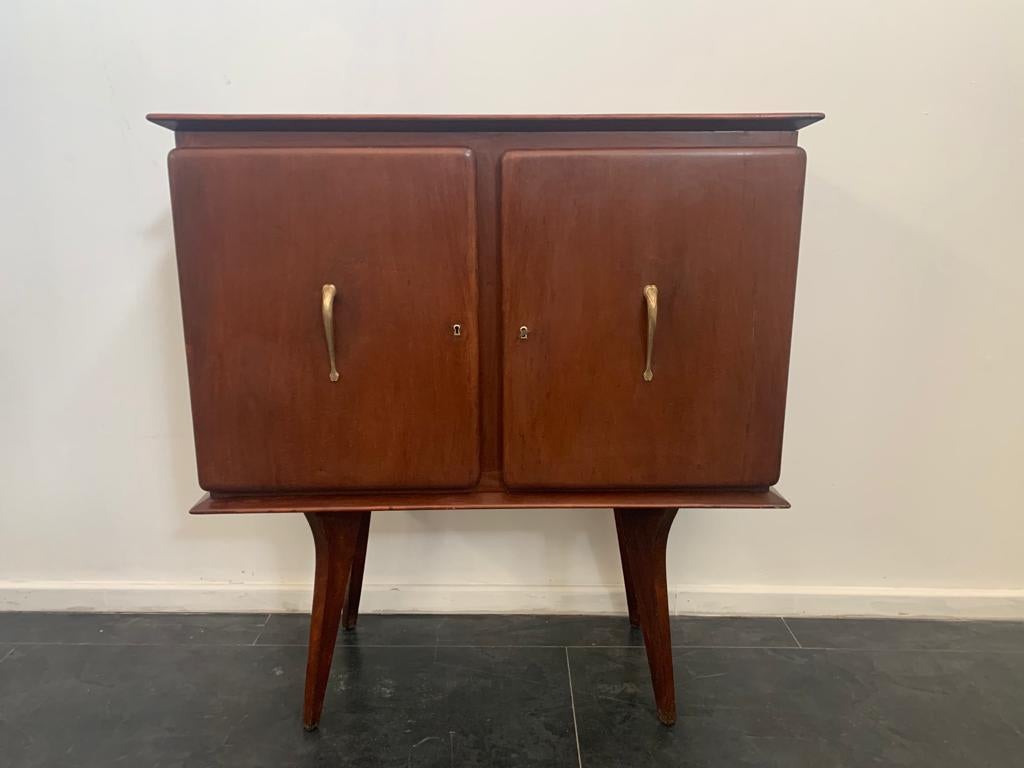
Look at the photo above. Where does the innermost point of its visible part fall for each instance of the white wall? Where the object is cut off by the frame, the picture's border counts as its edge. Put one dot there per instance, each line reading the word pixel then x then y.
pixel 905 431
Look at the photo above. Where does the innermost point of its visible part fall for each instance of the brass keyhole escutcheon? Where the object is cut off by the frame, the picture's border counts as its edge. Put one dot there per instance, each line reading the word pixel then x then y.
pixel 524 332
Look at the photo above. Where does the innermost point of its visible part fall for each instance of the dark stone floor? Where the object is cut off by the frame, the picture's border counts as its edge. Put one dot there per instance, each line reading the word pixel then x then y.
pixel 164 690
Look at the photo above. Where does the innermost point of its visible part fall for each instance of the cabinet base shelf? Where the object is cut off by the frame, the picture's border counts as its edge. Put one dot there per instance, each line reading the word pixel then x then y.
pixel 492 498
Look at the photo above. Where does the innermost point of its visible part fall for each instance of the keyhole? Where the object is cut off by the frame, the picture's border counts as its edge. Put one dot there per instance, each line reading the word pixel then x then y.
pixel 524 332
pixel 456 330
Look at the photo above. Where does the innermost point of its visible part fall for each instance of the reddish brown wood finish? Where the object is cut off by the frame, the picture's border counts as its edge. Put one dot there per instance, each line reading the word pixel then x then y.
pixel 258 233
pixel 627 572
pixel 643 534
pixel 408 210
pixel 350 613
pixel 717 231
pixel 491 499
pixel 785 121
pixel 487 148
pixel 336 541
pixel 500 142
pixel 488 144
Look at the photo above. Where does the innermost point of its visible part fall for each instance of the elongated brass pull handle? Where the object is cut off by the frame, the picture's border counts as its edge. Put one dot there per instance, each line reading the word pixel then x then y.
pixel 651 294
pixel 327 305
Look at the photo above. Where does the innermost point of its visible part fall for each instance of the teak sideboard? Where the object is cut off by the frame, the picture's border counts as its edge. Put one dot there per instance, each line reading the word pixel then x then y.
pixel 428 312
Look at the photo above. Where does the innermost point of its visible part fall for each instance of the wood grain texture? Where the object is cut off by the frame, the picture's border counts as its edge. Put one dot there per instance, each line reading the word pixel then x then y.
pixel 788 121
pixel 258 232
pixel 583 231
pixel 643 536
pixel 621 532
pixel 487 150
pixel 491 222
pixel 491 499
pixel 487 147
pixel 336 541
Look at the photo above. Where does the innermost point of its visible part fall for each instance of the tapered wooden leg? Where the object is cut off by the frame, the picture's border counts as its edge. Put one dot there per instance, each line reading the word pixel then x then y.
pixel 336 539
pixel 643 534
pixel 350 614
pixel 627 576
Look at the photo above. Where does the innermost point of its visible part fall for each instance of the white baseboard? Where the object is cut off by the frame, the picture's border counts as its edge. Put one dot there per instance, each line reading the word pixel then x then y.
pixel 739 600
pixel 917 602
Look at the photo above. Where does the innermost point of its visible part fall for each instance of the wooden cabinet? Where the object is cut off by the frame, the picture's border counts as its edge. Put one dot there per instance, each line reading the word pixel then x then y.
pixel 470 312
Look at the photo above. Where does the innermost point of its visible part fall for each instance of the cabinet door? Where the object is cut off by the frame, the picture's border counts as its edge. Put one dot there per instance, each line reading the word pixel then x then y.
pixel 583 232
pixel 259 233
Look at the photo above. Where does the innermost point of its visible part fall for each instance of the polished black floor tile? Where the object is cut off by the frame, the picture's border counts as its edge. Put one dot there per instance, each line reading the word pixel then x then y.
pixel 910 634
pixel 181 705
pixel 497 629
pixel 735 632
pixel 479 630
pixel 814 708
pixel 418 690
pixel 132 628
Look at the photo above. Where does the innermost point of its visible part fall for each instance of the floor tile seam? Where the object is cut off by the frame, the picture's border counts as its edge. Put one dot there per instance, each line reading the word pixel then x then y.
pixel 303 644
pixel 831 649
pixel 263 629
pixel 572 703
pixel 791 632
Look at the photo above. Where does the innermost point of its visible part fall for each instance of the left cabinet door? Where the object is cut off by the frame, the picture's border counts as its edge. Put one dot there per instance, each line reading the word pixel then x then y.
pixel 259 234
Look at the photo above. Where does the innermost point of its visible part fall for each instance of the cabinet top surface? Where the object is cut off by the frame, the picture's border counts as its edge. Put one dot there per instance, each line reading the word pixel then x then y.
pixel 783 121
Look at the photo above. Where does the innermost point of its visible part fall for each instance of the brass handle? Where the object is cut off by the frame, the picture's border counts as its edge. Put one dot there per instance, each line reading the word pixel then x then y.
pixel 651 294
pixel 327 305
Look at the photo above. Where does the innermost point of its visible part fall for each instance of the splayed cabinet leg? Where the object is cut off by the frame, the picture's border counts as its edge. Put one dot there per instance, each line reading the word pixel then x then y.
pixel 627 576
pixel 336 538
pixel 643 535
pixel 350 613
